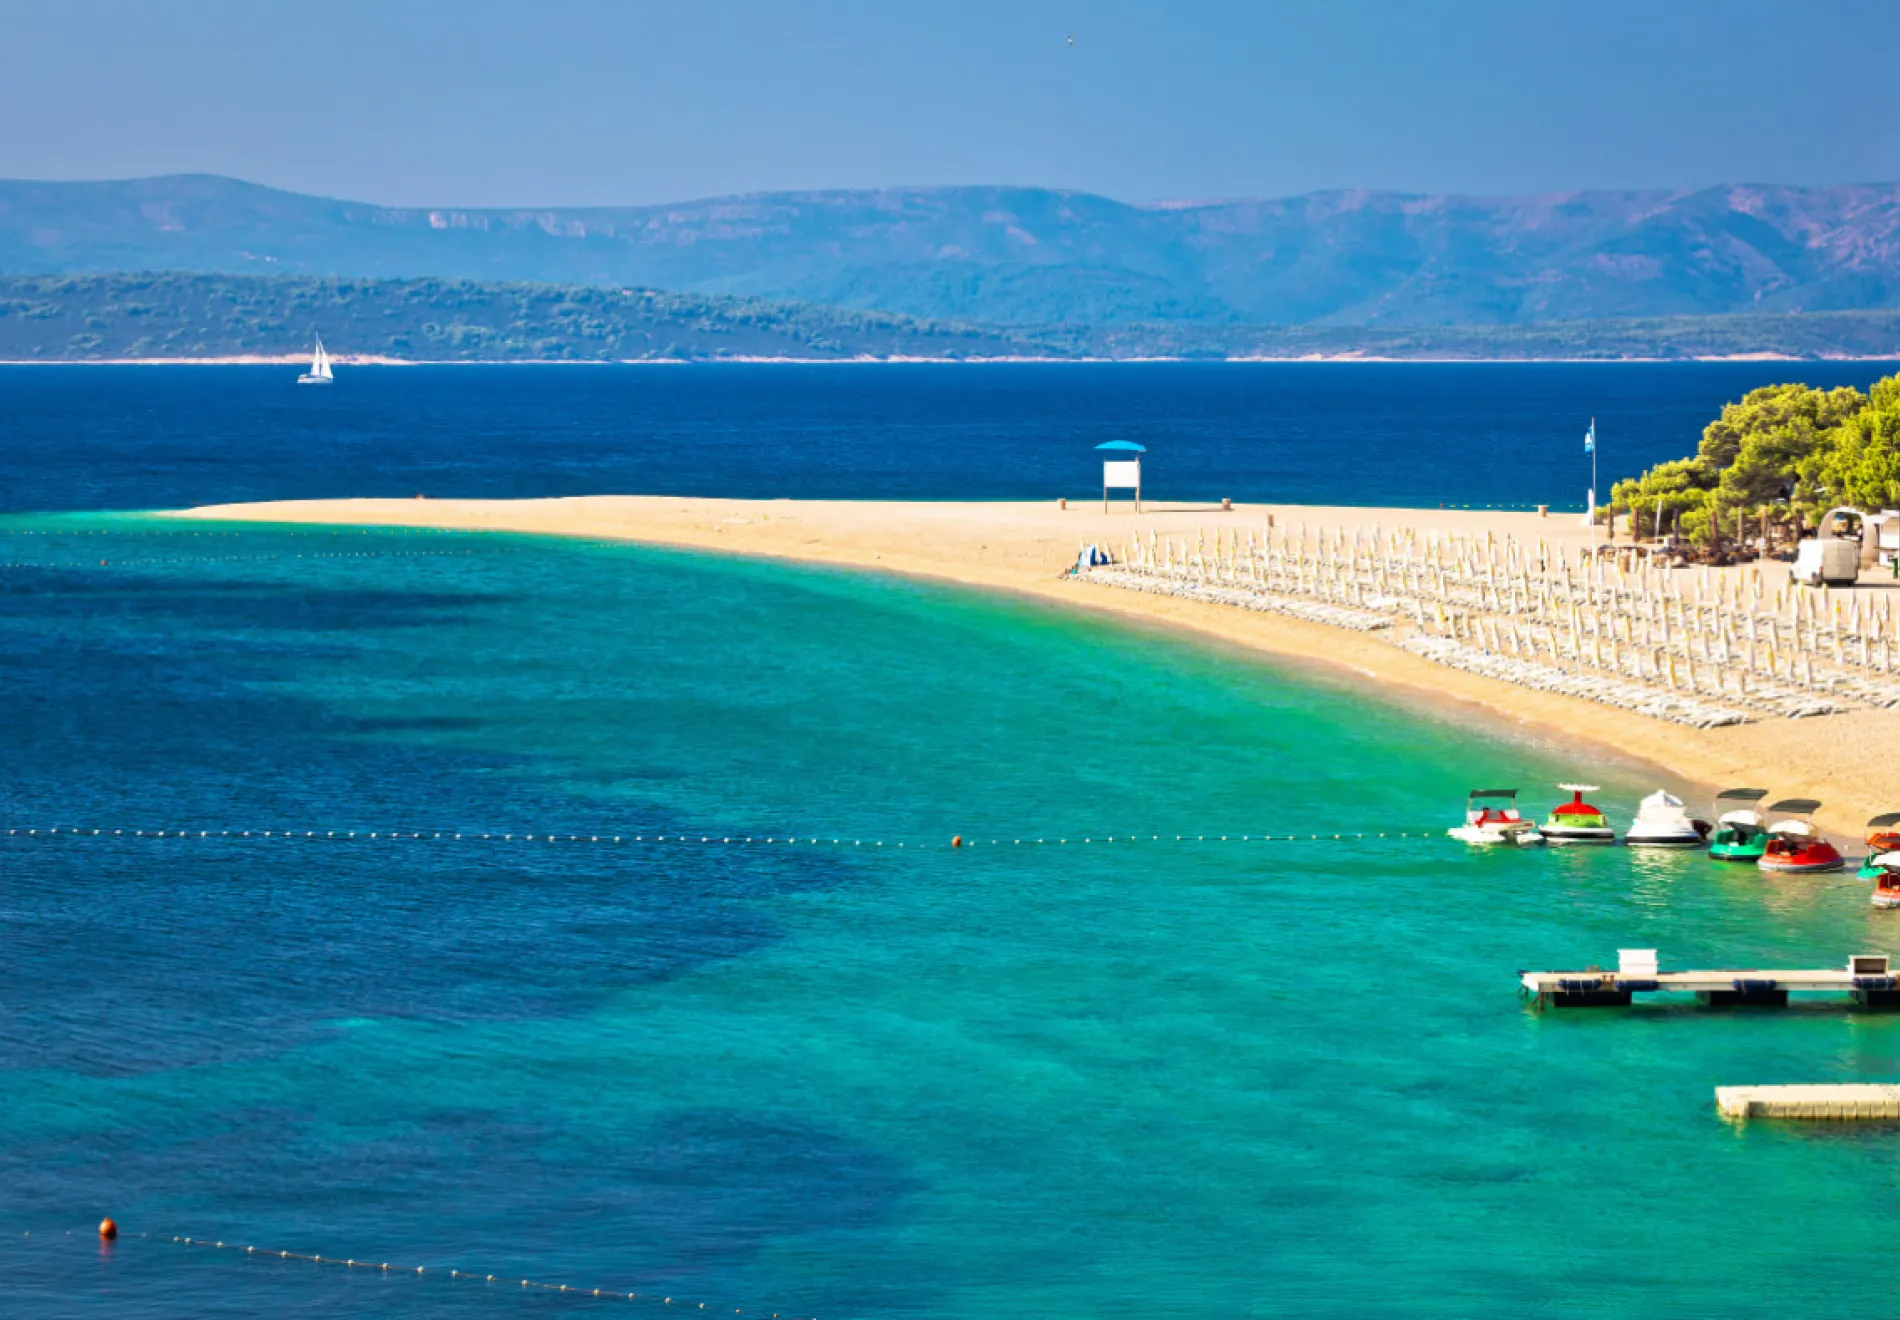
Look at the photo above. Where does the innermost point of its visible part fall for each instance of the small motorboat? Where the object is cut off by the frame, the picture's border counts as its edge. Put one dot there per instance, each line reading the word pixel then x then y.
pixel 1741 835
pixel 1795 847
pixel 1491 818
pixel 1886 867
pixel 1883 836
pixel 1662 823
pixel 1576 821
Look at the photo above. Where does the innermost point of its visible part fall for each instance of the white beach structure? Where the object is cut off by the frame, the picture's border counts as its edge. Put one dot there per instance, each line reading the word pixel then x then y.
pixel 1122 470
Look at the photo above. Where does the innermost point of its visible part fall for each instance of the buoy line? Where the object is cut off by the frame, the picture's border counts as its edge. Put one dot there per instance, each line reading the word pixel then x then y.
pixel 70 832
pixel 471 1276
pixel 109 1231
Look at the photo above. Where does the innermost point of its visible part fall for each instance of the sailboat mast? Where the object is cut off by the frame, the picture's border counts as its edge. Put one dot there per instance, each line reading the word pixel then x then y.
pixel 319 373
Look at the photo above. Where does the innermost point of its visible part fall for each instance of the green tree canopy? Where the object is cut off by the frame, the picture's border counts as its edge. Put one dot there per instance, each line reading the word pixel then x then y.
pixel 1774 407
pixel 1665 492
pixel 1812 449
pixel 1859 465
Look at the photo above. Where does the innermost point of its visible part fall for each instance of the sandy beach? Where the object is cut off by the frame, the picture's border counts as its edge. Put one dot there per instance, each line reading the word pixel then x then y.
pixel 1846 760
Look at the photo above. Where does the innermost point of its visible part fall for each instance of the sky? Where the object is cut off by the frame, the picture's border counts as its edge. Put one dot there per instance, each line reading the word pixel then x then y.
pixel 560 103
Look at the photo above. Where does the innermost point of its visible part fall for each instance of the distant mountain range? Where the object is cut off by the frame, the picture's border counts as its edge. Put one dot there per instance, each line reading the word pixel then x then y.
pixel 68 318
pixel 1030 256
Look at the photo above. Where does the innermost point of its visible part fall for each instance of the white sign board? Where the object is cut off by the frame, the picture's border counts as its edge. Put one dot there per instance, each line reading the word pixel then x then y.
pixel 1121 476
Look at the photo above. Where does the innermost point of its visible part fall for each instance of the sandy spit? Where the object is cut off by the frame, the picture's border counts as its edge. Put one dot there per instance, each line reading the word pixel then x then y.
pixel 1850 761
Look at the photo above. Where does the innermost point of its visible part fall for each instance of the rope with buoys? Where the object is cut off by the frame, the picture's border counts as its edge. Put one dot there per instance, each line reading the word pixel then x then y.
pixel 109 1232
pixel 957 842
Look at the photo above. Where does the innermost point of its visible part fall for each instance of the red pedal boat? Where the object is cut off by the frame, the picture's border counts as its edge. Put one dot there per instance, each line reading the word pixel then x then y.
pixel 1795 847
pixel 1886 869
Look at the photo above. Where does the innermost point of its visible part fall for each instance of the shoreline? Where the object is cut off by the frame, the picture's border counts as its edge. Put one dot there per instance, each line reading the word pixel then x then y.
pixel 1024 549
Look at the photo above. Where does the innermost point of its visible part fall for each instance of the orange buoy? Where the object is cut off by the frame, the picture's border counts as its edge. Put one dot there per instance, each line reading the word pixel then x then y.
pixel 107 1229
pixel 957 841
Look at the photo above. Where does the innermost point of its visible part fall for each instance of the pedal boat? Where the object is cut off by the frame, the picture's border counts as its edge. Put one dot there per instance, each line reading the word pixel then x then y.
pixel 1883 837
pixel 1795 847
pixel 1741 835
pixel 1662 823
pixel 1491 820
pixel 1886 879
pixel 1576 821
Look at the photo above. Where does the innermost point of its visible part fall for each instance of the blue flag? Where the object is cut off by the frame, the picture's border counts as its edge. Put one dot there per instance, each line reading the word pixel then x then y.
pixel 1590 439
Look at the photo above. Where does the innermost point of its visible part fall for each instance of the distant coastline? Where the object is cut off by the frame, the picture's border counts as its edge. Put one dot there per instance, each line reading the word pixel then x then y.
pixel 1340 359
pixel 202 319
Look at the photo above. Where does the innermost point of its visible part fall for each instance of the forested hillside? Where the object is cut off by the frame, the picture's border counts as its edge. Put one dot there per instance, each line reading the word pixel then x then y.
pixel 101 317
pixel 181 316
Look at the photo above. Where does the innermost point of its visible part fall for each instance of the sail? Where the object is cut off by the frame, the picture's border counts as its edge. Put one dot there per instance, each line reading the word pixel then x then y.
pixel 320 364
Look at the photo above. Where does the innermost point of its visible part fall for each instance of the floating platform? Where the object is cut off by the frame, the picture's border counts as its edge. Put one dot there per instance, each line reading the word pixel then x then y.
pixel 1856 1101
pixel 1867 979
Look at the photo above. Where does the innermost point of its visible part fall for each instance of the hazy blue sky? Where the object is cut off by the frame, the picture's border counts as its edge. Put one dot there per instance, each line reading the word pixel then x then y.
pixel 478 103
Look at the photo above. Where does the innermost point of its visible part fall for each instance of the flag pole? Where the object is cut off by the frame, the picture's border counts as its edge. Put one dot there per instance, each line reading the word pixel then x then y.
pixel 1589 500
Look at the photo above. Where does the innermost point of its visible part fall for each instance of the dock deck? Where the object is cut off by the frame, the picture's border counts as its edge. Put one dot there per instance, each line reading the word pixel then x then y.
pixel 1843 1102
pixel 1866 978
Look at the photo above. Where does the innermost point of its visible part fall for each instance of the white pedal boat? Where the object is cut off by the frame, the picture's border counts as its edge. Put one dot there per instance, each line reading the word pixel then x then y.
pixel 1491 820
pixel 1661 822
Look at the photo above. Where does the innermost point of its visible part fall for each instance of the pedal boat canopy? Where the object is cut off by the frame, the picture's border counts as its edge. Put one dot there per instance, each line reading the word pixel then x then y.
pixel 1883 832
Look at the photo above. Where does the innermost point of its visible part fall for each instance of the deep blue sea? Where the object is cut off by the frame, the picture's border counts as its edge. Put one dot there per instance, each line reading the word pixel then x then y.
pixel 77 437
pixel 838 1077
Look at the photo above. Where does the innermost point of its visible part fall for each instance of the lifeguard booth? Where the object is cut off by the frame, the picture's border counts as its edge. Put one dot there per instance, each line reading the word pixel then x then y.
pixel 1121 469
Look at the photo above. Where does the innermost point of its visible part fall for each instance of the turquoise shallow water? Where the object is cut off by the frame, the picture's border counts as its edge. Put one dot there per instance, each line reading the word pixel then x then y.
pixel 1131 1079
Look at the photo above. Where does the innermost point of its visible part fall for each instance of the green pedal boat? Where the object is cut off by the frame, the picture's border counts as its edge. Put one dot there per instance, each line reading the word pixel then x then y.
pixel 1883 847
pixel 1741 835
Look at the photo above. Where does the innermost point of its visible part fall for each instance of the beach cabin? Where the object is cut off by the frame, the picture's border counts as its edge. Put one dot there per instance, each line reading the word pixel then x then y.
pixel 1121 469
pixel 1880 539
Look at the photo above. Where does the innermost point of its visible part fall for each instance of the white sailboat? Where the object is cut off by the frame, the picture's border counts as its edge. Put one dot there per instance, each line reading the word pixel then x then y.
pixel 319 373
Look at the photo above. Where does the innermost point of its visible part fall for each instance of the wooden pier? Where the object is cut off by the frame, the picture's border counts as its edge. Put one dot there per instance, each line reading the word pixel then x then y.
pixel 1867 979
pixel 1842 1103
